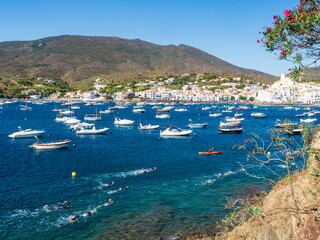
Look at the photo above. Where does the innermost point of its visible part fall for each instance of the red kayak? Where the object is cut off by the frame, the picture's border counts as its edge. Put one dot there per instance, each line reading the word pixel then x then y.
pixel 209 153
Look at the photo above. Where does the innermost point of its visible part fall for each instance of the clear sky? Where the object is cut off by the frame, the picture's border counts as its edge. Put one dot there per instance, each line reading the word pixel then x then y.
pixel 227 29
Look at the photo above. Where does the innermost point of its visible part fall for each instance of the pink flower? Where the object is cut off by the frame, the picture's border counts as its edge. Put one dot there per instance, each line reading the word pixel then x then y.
pixel 289 69
pixel 276 22
pixel 287 13
pixel 287 19
pixel 270 28
pixel 274 16
pixel 308 2
pixel 277 47
pixel 258 41
pixel 283 52
pixel 293 20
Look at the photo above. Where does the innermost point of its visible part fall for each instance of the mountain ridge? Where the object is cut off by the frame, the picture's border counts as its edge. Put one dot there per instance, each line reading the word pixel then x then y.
pixel 78 59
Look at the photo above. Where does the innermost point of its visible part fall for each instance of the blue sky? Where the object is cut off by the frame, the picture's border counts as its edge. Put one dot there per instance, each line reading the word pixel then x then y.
pixel 227 29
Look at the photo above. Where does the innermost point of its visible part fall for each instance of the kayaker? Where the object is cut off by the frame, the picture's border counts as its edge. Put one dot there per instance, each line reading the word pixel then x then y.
pixel 209 151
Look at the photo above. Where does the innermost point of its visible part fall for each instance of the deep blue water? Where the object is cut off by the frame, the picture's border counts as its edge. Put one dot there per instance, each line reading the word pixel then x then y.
pixel 169 202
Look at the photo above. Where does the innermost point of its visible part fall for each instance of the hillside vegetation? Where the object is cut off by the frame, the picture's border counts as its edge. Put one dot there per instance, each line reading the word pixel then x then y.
pixel 80 59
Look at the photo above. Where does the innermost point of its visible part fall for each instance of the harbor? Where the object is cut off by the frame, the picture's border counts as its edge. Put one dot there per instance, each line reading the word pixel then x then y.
pixel 163 186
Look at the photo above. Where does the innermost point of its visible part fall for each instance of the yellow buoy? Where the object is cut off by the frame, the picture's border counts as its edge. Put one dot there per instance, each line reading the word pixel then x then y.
pixel 74 174
pixel 268 153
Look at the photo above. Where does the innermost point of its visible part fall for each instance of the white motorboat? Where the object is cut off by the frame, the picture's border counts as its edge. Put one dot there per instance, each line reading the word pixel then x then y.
pixel 238 114
pixel 258 115
pixel 148 127
pixel 28 133
pixel 72 121
pixel 117 107
pixel 89 104
pixel 173 131
pixel 138 110
pixel 106 111
pixel 66 112
pixel 226 111
pixel 56 110
pixel 50 145
pixel 180 110
pixel 62 119
pixel 308 120
pixel 162 116
pixel 215 114
pixel 197 125
pixel 75 107
pixel 81 125
pixel 168 108
pixel 119 121
pixel 92 131
pixel 206 108
pixel 285 124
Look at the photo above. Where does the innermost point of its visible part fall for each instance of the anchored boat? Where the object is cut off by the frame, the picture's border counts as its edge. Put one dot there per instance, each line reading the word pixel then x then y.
pixel 50 145
pixel 28 133
pixel 173 131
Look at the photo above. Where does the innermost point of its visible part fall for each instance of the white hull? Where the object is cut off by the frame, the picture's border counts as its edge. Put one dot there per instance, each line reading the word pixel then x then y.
pixel 30 134
pixel 92 118
pixel 107 111
pixel 309 120
pixel 163 116
pixel 203 125
pixel 119 121
pixel 92 131
pixel 148 127
pixel 175 134
pixel 49 146
pixel 215 115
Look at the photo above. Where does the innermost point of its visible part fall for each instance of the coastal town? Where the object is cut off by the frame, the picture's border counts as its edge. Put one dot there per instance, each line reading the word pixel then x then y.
pixel 193 88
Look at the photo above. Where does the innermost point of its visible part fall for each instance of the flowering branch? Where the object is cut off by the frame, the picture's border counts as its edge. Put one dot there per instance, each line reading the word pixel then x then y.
pixel 295 36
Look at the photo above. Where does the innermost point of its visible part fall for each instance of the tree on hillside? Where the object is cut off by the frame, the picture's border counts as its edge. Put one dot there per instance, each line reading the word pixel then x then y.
pixel 295 36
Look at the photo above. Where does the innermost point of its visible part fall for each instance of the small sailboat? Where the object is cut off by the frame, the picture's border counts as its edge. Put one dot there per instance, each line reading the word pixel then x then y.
pixel 92 117
pixel 25 107
pixel 234 129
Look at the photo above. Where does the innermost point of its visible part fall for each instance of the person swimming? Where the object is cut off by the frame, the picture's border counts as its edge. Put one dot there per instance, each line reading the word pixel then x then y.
pixel 220 175
pixel 89 213
pixel 107 185
pixel 57 207
pixel 109 202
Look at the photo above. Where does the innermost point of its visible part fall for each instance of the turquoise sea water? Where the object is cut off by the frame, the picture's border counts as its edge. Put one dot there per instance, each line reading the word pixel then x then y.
pixel 178 198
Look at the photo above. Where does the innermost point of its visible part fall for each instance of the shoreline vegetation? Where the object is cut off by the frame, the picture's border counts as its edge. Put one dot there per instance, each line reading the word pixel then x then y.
pixel 290 210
